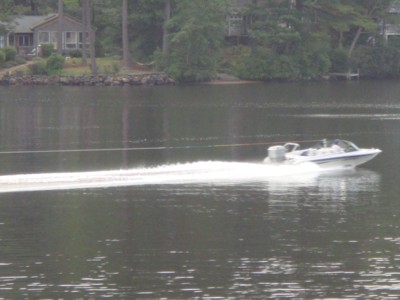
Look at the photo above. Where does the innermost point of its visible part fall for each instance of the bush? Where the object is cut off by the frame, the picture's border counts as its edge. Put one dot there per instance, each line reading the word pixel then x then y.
pixel 263 64
pixel 340 62
pixel 75 53
pixel 55 63
pixel 313 64
pixel 10 53
pixel 47 50
pixel 2 57
pixel 378 62
pixel 38 69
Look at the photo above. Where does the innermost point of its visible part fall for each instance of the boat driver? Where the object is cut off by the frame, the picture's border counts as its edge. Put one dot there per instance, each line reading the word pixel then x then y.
pixel 336 147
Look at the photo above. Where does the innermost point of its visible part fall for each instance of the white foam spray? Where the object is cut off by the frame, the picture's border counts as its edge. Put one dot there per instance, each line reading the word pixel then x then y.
pixel 212 172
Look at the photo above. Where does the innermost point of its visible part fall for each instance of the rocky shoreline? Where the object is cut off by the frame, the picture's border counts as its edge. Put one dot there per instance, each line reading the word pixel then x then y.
pixel 88 80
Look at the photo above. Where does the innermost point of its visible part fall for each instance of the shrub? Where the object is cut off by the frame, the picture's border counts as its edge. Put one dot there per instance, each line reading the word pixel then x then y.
pixel 75 53
pixel 10 53
pixel 47 50
pixel 340 62
pixel 2 57
pixel 378 62
pixel 114 68
pixel 313 64
pixel 38 69
pixel 55 63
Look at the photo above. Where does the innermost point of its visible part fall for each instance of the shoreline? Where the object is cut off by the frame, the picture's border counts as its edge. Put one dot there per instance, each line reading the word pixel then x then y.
pixel 139 79
pixel 132 79
pixel 145 79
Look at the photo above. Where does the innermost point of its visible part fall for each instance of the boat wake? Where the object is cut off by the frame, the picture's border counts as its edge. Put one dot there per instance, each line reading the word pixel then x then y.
pixel 206 172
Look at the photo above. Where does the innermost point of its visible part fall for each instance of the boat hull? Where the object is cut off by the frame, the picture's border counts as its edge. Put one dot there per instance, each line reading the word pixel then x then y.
pixel 342 160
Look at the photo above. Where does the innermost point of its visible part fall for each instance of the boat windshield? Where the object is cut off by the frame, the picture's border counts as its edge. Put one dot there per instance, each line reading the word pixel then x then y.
pixel 347 146
pixel 290 147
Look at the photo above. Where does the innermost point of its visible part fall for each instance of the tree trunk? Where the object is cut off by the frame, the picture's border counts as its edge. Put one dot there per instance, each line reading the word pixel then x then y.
pixel 340 42
pixel 91 39
pixel 354 42
pixel 60 25
pixel 125 37
pixel 33 6
pixel 84 33
pixel 167 16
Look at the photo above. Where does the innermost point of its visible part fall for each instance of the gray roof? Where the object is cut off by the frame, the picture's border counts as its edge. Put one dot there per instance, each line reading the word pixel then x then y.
pixel 25 23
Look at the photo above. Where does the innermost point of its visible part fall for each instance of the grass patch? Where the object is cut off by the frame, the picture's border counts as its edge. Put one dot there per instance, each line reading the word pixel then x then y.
pixel 74 67
pixel 105 65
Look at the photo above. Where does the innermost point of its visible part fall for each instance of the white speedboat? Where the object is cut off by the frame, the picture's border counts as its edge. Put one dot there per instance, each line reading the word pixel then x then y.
pixel 326 154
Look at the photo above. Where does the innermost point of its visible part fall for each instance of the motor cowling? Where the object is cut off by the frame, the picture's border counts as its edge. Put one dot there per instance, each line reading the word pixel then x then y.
pixel 277 153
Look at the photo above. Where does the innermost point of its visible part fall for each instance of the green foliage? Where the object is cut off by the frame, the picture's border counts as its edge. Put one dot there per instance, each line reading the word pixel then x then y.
pixel 10 53
pixel 284 46
pixel 2 57
pixel 75 53
pixel 288 40
pixel 114 68
pixel 276 25
pixel 340 61
pixel 55 63
pixel 146 21
pixel 196 37
pixel 47 50
pixel 382 61
pixel 264 64
pixel 6 9
pixel 52 65
pixel 38 68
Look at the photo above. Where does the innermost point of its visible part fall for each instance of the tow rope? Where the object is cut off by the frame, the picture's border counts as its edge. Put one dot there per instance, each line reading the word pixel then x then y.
pixel 152 148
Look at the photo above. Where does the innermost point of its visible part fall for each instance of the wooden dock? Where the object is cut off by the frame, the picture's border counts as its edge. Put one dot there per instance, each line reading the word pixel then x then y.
pixel 348 75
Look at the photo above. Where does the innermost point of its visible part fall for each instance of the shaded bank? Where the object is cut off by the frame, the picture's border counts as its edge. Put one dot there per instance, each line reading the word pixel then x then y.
pixel 88 80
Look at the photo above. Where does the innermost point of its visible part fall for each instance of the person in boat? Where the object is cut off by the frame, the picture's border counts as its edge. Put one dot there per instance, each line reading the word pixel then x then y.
pixel 336 147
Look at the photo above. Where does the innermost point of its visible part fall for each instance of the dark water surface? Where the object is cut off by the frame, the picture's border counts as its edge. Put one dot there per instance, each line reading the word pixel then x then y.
pixel 192 217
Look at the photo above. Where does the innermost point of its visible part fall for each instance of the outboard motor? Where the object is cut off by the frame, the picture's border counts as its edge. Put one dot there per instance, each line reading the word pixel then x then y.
pixel 276 154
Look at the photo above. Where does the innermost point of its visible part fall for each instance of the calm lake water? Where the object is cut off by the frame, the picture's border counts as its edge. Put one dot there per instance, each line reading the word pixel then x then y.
pixel 195 214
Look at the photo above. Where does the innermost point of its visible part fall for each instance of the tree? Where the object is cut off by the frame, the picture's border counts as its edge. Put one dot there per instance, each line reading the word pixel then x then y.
pixel 276 25
pixel 85 32
pixel 6 9
pixel 34 6
pixel 60 25
pixel 195 44
pixel 167 16
pixel 283 45
pixel 368 11
pixel 125 37
pixel 349 18
pixel 92 51
pixel 144 27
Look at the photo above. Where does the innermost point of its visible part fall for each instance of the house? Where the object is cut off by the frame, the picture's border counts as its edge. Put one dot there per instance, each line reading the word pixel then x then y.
pixel 239 20
pixel 236 19
pixel 28 33
pixel 391 28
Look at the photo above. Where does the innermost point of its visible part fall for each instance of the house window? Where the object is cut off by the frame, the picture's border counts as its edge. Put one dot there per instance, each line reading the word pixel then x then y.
pixel 53 38
pixel 71 40
pixel 11 40
pixel 44 37
pixel 81 40
pixel 47 37
pixel 23 40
